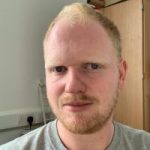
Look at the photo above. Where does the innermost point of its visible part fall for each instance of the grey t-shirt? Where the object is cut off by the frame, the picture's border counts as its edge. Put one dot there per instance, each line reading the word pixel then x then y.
pixel 47 138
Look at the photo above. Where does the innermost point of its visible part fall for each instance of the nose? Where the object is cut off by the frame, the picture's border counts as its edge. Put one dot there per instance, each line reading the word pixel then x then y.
pixel 74 82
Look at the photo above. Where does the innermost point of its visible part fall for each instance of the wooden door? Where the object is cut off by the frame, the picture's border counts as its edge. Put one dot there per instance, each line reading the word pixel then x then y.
pixel 127 16
pixel 146 36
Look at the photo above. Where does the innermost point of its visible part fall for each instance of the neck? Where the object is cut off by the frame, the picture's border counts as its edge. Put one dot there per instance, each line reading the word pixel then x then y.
pixel 99 140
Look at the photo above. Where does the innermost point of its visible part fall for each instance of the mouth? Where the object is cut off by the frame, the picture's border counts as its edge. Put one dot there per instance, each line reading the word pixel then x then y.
pixel 77 106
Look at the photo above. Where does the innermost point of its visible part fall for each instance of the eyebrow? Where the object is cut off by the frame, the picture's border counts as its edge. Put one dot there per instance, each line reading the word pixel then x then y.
pixel 49 65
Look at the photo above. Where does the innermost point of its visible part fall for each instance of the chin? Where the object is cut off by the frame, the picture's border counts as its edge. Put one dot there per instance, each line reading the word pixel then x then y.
pixel 81 124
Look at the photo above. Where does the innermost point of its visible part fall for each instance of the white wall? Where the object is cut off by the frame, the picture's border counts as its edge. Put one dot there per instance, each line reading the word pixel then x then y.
pixel 23 24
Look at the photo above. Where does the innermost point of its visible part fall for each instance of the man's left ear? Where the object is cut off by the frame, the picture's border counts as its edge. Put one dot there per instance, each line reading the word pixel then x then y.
pixel 122 72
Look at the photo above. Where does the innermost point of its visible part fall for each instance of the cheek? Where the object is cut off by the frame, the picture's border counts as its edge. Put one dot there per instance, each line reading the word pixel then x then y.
pixel 54 89
pixel 105 85
pixel 53 93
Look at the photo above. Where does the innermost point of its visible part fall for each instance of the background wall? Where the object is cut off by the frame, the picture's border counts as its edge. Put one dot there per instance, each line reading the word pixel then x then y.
pixel 23 24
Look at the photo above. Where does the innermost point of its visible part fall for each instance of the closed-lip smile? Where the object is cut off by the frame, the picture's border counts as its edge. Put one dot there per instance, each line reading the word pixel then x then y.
pixel 77 105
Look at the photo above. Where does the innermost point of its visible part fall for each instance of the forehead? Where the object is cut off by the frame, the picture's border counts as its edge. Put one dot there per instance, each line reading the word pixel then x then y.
pixel 65 29
pixel 75 40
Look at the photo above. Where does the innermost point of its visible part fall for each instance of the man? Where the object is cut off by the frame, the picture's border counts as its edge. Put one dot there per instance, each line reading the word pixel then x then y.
pixel 84 73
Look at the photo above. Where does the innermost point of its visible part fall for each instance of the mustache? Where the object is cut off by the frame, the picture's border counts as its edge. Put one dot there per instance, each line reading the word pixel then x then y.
pixel 77 98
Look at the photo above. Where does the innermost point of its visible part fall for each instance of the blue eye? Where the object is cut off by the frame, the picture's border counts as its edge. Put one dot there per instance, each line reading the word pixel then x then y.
pixel 91 66
pixel 94 66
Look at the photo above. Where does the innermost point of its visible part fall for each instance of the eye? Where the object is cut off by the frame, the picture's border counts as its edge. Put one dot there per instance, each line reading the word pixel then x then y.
pixel 92 66
pixel 59 69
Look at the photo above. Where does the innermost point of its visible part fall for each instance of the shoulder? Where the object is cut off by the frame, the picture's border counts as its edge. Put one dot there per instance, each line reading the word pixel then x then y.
pixel 31 140
pixel 134 138
pixel 129 131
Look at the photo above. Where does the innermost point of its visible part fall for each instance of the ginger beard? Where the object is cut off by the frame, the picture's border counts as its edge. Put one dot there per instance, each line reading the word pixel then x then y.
pixel 84 122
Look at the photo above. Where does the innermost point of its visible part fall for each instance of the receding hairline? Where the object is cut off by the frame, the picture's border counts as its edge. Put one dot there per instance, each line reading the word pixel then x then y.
pixel 82 13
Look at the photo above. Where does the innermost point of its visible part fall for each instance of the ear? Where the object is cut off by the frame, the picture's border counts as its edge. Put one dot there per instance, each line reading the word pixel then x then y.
pixel 122 72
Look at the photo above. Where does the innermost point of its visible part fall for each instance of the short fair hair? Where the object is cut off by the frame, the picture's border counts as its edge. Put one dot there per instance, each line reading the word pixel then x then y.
pixel 78 12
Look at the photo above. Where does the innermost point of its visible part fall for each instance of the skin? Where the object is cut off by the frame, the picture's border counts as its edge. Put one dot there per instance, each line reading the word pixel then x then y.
pixel 83 77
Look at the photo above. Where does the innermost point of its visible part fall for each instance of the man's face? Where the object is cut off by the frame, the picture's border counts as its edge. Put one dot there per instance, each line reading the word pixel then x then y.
pixel 82 75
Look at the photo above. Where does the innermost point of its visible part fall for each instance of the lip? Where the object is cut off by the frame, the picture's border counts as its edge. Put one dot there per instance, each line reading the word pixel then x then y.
pixel 77 106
